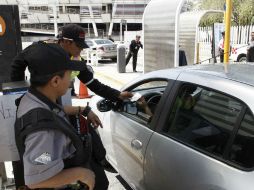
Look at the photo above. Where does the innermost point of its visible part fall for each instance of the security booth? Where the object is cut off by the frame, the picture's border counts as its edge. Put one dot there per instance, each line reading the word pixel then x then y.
pixel 10 46
pixel 10 39
pixel 161 34
pixel 188 34
pixel 170 35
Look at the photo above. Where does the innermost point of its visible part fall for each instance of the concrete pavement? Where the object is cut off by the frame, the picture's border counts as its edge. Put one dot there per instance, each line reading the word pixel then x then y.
pixel 107 73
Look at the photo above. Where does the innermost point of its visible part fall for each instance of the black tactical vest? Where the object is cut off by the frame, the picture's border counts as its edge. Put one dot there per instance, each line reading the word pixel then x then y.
pixel 42 119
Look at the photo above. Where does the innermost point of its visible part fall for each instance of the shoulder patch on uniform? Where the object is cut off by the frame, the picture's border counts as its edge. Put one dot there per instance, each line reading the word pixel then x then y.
pixel 44 158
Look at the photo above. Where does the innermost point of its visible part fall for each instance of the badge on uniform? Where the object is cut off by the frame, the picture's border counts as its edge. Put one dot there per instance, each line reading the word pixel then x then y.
pixel 45 158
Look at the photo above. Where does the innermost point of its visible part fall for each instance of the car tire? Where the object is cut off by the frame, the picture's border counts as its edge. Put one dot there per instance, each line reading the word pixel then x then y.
pixel 242 59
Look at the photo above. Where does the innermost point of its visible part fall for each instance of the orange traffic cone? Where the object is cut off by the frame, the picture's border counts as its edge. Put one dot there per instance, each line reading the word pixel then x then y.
pixel 83 92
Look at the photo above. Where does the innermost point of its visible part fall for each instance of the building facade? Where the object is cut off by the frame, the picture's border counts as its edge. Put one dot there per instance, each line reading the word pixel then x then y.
pixel 98 17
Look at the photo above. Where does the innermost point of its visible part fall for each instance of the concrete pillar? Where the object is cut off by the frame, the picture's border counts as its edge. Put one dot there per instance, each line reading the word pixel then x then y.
pixel 112 19
pixel 111 28
pixel 64 9
pixel 93 22
pixel 55 20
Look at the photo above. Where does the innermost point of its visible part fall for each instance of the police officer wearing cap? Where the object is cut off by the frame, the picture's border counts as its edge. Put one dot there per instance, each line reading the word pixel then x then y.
pixel 72 40
pixel 52 153
pixel 133 52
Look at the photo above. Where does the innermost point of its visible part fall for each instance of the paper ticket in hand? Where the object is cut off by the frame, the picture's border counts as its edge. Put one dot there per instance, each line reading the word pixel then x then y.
pixel 136 97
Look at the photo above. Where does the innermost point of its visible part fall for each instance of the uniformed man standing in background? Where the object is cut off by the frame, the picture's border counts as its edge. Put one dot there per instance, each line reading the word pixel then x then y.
pixel 133 52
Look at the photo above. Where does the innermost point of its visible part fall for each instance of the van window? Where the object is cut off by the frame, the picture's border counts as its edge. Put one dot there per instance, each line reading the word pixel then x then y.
pixel 242 151
pixel 203 118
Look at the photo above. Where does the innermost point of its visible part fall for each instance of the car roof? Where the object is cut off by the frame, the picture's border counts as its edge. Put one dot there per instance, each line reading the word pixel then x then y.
pixel 240 72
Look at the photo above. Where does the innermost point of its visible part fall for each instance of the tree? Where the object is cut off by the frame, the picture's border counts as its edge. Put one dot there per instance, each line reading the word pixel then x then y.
pixel 242 11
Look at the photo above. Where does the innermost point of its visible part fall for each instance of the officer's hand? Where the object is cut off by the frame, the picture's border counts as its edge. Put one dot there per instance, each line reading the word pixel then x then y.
pixel 125 95
pixel 94 119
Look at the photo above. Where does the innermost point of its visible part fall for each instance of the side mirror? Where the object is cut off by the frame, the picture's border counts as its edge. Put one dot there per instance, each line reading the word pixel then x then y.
pixel 104 105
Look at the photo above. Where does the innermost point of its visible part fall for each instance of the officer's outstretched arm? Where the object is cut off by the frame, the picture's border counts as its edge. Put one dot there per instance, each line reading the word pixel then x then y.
pixel 68 176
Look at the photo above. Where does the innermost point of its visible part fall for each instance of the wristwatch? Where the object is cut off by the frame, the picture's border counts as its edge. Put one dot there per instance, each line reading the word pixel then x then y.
pixel 86 111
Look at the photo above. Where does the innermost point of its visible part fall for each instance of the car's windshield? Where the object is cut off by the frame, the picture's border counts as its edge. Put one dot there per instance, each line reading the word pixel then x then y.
pixel 102 41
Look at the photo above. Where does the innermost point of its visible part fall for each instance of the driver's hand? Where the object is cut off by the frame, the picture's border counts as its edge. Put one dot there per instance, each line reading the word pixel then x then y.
pixel 142 102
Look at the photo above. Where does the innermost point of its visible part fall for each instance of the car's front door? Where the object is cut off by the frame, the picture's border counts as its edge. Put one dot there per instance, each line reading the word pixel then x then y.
pixel 131 131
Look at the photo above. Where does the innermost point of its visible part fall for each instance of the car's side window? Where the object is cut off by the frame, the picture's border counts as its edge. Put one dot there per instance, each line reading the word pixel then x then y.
pixel 242 150
pixel 203 118
pixel 143 110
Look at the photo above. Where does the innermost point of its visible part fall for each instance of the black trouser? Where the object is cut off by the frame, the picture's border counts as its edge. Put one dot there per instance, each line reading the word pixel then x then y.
pixel 101 180
pixel 221 56
pixel 134 59
pixel 98 154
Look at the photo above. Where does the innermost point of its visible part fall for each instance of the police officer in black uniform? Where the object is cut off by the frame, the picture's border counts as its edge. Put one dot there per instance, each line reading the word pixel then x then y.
pixel 72 40
pixel 52 153
pixel 133 52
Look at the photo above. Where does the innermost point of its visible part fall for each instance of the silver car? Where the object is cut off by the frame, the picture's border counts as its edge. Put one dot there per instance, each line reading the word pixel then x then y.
pixel 194 129
pixel 104 49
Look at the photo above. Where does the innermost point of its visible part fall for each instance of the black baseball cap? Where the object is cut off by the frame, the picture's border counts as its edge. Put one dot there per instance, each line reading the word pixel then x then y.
pixel 45 59
pixel 74 33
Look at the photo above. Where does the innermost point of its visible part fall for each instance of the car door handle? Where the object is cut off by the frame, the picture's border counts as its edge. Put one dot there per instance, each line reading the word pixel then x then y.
pixel 136 144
